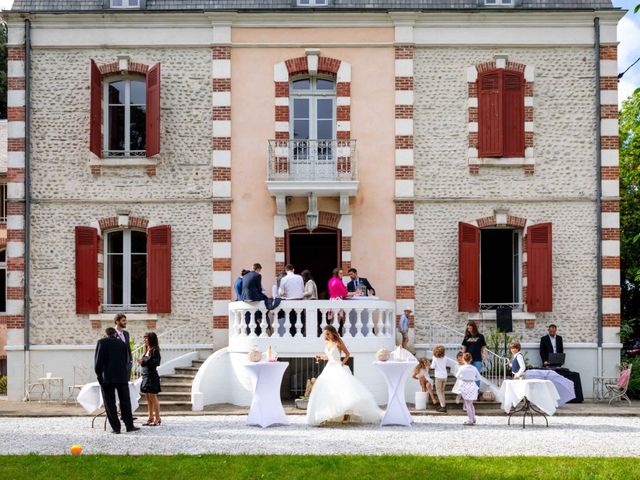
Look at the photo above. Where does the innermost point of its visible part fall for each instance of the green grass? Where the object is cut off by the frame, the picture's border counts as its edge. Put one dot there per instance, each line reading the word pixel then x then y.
pixel 314 467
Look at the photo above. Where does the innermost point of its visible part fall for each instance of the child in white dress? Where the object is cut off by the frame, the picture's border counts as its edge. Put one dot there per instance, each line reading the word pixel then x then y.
pixel 421 373
pixel 469 375
pixel 456 386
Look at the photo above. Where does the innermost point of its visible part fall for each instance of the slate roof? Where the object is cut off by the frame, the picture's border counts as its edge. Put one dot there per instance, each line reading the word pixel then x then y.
pixel 156 5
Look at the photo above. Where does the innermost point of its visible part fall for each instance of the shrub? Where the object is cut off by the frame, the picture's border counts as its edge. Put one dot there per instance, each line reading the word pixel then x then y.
pixel 3 384
pixel 634 382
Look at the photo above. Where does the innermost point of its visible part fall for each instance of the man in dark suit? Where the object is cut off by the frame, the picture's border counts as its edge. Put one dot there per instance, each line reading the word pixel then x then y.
pixel 252 285
pixel 121 324
pixel 550 343
pixel 357 283
pixel 111 369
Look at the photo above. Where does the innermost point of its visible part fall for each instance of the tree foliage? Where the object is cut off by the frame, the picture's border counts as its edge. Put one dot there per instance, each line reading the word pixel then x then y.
pixel 630 214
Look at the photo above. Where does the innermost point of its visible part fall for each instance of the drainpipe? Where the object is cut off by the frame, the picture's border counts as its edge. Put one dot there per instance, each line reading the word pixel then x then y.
pixel 27 194
pixel 596 27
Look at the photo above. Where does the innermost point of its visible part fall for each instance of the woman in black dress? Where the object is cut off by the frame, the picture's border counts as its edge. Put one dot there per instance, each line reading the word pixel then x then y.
pixel 150 362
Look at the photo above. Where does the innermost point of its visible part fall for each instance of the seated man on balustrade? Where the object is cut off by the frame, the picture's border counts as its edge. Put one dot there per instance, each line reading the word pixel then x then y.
pixel 359 285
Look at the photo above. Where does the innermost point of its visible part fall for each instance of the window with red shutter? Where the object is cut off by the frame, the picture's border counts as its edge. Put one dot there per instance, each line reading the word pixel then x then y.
pixel 86 270
pixel 539 274
pixel 153 111
pixel 95 127
pixel 159 269
pixel 468 268
pixel 500 114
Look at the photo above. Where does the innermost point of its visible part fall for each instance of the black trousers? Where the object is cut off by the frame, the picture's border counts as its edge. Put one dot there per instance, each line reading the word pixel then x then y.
pixel 109 398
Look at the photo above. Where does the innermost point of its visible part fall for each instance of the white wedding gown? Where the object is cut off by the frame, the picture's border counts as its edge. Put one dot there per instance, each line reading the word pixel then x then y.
pixel 337 393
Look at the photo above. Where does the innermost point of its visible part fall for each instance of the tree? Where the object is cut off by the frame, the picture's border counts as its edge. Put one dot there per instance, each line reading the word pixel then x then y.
pixel 630 214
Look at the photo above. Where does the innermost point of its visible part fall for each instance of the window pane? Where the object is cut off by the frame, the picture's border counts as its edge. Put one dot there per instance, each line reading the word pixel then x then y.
pixel 323 84
pixel 3 255
pixel 302 84
pixel 3 290
pixel 138 242
pixel 115 242
pixel 114 279
pixel 325 129
pixel 301 129
pixel 116 128
pixel 301 108
pixel 325 108
pixel 138 92
pixel 138 279
pixel 116 3
pixel 134 3
pixel 137 135
pixel 116 93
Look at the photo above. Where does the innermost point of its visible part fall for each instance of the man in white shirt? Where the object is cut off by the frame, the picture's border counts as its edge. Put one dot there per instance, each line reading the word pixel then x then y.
pixel 292 285
pixel 292 288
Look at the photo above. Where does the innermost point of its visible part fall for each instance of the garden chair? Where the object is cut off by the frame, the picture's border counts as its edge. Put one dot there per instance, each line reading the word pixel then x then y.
pixel 79 375
pixel 618 390
pixel 35 383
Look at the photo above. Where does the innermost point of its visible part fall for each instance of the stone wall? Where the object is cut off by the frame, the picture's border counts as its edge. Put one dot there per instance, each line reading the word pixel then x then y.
pixel 66 194
pixel 561 191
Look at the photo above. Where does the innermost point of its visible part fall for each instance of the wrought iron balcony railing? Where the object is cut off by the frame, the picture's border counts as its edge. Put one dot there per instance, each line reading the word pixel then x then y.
pixel 312 160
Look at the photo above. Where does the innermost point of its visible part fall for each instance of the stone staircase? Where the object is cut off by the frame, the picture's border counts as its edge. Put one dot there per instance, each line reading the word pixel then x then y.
pixel 176 390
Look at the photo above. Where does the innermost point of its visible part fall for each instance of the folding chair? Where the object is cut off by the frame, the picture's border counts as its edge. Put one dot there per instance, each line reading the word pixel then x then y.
pixel 79 376
pixel 36 372
pixel 618 390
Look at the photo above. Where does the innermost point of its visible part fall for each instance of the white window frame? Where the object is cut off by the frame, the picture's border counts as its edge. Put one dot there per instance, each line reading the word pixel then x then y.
pixel 126 4
pixel 3 271
pixel 313 3
pixel 127 152
pixel 312 95
pixel 126 273
pixel 516 262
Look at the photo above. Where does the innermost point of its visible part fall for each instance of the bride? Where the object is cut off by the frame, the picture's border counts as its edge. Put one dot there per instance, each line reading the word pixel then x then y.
pixel 338 396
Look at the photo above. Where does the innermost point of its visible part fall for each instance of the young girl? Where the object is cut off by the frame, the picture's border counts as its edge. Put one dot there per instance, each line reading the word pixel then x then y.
pixel 469 375
pixel 421 373
pixel 456 386
pixel 439 364
pixel 518 366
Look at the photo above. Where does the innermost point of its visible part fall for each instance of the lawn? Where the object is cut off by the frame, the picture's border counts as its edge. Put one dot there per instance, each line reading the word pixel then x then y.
pixel 314 467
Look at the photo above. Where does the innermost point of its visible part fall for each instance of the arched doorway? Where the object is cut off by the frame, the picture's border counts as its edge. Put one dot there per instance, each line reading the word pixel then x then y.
pixel 318 251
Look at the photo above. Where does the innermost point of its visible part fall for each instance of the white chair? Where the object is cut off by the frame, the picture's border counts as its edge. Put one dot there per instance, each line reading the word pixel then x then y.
pixel 618 390
pixel 80 374
pixel 36 374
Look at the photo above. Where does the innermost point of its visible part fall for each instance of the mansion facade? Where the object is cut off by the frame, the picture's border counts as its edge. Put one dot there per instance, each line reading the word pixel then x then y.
pixel 462 155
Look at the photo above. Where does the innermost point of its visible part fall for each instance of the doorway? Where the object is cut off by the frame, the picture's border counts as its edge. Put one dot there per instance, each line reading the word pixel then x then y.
pixel 318 251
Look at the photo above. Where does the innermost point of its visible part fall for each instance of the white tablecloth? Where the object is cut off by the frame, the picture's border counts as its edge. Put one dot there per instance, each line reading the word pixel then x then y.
pixel 266 406
pixel 396 375
pixel 90 396
pixel 541 393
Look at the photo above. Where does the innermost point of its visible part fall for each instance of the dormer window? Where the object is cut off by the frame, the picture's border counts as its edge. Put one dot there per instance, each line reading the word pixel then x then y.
pixel 313 3
pixel 124 3
pixel 499 3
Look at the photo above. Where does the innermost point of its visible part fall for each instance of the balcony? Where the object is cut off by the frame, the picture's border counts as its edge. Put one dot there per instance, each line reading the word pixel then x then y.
pixel 368 325
pixel 323 167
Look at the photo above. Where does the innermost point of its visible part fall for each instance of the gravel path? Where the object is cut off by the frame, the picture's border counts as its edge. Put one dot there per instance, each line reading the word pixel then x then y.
pixel 573 436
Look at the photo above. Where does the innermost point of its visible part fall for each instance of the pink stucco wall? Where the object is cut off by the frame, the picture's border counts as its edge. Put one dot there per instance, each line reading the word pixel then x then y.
pixel 372 125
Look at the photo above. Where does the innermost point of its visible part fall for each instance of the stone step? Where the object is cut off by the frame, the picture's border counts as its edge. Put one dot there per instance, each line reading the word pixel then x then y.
pixel 188 379
pixel 170 406
pixel 171 397
pixel 175 387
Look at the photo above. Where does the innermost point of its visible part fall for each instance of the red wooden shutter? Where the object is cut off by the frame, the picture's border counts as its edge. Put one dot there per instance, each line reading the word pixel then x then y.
pixel 86 270
pixel 153 111
pixel 490 121
pixel 468 268
pixel 513 104
pixel 95 123
pixel 539 278
pixel 159 269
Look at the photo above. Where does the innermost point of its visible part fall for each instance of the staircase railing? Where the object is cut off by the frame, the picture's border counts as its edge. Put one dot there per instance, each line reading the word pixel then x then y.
pixel 494 366
pixel 184 344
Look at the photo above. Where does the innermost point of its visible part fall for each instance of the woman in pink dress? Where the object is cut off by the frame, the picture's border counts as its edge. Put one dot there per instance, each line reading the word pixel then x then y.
pixel 337 291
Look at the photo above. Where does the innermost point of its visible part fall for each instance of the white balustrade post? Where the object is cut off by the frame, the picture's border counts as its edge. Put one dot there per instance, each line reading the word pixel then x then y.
pixel 381 315
pixel 263 323
pixel 252 326
pixel 287 322
pixel 370 324
pixel 359 333
pixel 311 320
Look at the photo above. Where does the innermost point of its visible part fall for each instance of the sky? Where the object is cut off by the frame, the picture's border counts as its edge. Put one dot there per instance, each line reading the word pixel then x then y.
pixel 628 51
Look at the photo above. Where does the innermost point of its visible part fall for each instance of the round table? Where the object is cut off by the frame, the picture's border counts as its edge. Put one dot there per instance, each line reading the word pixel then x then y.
pixel 90 396
pixel 266 406
pixel 396 374
pixel 538 396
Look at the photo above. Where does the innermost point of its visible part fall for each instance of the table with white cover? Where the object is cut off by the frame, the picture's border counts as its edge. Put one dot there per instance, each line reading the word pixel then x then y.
pixel 396 374
pixel 266 406
pixel 90 397
pixel 538 396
